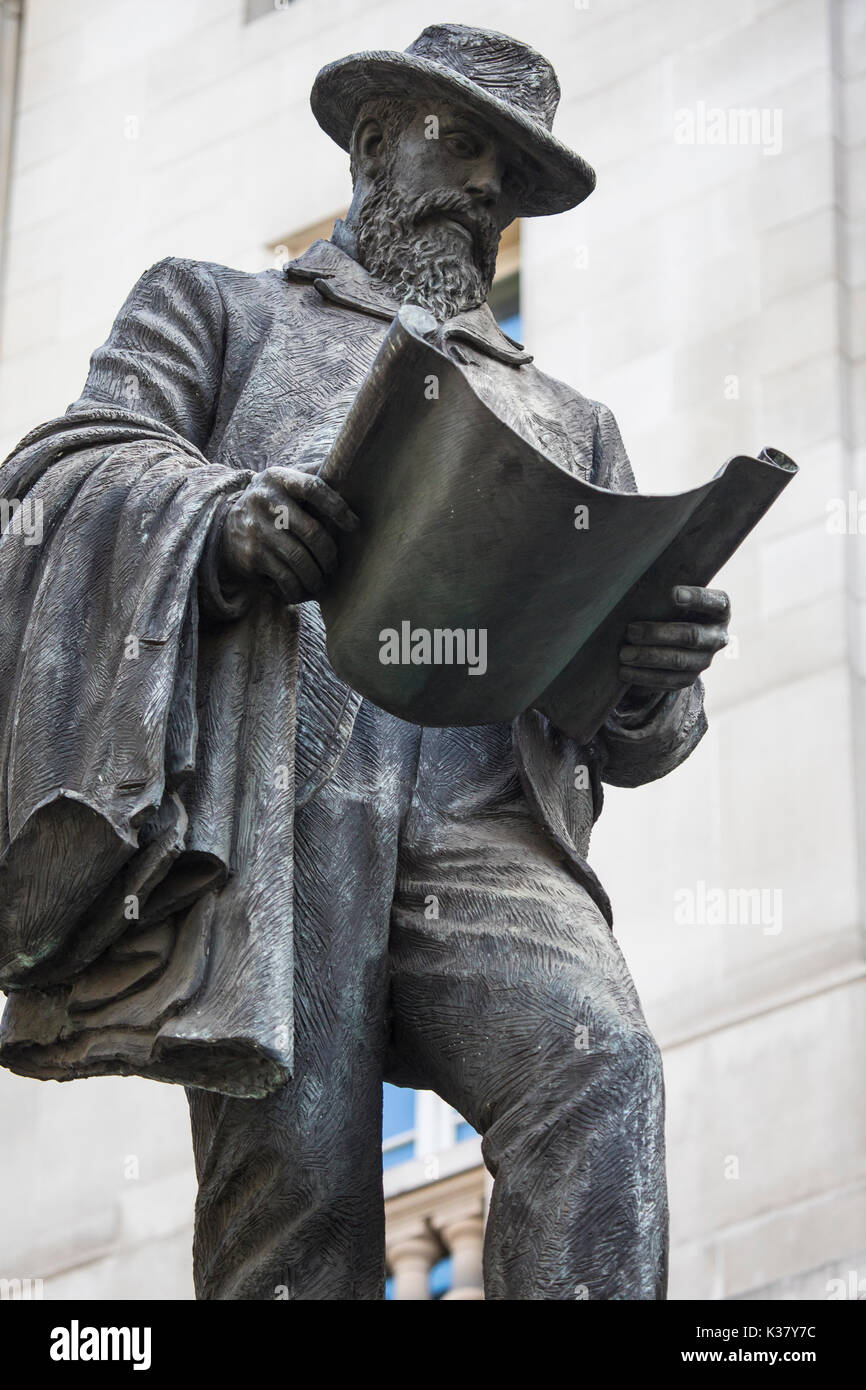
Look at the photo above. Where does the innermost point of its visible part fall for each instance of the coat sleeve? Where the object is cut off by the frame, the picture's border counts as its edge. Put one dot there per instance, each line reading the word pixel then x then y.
pixel 164 360
pixel 164 355
pixel 647 735
pixel 98 624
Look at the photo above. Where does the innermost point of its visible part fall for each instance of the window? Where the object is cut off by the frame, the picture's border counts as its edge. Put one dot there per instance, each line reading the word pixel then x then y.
pixel 505 302
pixel 418 1125
pixel 504 298
pixel 442 1276
pixel 398 1125
pixel 441 1279
pixel 463 1130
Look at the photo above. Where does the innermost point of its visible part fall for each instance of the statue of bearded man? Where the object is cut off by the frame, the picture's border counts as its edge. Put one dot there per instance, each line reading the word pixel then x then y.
pixel 222 867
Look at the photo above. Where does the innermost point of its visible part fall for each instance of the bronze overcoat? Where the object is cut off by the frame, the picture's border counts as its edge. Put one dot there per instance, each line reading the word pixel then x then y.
pixel 155 738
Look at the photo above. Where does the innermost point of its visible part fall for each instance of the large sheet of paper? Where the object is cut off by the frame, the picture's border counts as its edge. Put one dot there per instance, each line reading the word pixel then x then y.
pixel 485 579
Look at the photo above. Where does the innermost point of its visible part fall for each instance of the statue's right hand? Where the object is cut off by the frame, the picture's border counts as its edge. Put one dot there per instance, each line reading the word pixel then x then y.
pixel 273 532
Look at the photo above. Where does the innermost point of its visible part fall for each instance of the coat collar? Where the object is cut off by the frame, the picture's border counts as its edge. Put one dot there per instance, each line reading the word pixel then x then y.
pixel 341 280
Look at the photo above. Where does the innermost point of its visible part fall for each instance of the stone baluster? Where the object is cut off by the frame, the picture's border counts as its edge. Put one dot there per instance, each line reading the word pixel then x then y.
pixel 463 1237
pixel 412 1252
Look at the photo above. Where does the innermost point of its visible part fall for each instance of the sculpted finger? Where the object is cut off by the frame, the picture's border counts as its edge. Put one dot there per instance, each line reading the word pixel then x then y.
pixel 288 519
pixel 678 635
pixel 656 680
pixel 279 577
pixel 303 565
pixel 666 658
pixel 282 552
pixel 314 493
pixel 714 603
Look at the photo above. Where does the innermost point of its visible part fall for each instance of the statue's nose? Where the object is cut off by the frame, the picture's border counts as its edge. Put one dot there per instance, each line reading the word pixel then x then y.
pixel 484 185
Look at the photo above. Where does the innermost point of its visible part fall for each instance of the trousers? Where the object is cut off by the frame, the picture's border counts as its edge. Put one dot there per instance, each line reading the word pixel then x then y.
pixel 441 942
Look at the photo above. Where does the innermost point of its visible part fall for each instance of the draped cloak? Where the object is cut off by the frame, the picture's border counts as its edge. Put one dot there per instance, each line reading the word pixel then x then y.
pixel 156 734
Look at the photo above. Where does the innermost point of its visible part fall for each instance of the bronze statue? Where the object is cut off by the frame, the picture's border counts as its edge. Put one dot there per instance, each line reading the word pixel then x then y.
pixel 220 865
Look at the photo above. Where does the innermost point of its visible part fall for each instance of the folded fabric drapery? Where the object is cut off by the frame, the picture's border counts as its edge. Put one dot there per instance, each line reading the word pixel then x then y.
pixel 129 795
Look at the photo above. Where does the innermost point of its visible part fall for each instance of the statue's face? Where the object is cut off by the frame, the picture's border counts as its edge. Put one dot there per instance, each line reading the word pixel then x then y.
pixel 434 203
pixel 446 148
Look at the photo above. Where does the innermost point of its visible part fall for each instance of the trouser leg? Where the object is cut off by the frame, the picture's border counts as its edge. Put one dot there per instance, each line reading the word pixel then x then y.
pixel 516 1006
pixel 290 1187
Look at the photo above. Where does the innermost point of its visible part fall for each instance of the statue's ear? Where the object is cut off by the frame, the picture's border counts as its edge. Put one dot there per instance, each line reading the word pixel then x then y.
pixel 368 146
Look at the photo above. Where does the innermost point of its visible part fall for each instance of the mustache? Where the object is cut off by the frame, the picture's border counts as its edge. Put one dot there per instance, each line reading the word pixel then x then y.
pixel 451 202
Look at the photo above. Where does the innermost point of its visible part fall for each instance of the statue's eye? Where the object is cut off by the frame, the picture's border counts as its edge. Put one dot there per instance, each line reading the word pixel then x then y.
pixel 462 145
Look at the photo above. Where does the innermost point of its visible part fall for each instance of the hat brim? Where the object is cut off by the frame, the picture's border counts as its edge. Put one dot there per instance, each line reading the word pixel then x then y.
pixel 558 178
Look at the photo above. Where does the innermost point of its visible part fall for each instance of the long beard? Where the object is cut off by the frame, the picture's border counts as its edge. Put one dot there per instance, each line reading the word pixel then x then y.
pixel 427 263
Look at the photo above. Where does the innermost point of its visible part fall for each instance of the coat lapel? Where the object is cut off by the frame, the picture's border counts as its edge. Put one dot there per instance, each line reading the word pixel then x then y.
pixel 341 280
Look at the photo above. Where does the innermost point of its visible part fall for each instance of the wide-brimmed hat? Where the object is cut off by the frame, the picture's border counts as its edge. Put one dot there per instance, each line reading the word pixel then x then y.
pixel 512 88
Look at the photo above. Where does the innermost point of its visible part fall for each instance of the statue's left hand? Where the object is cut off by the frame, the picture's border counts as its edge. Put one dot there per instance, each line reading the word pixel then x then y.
pixel 669 656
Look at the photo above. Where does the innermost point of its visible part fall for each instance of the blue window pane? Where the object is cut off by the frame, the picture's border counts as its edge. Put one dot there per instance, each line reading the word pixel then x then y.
pixel 512 326
pixel 401 1154
pixel 398 1110
pixel 465 1131
pixel 441 1277
pixel 389 1288
pixel 504 301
